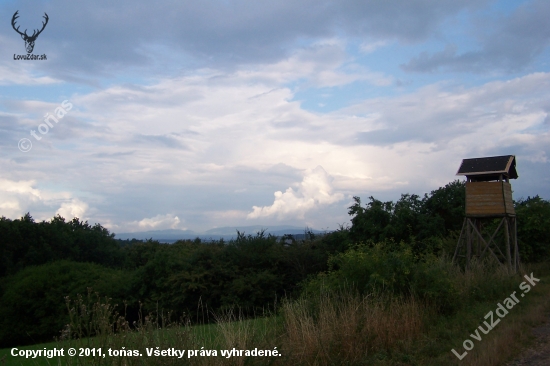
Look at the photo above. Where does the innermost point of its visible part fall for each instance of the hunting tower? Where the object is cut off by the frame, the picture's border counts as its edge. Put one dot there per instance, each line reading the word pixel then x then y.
pixel 489 197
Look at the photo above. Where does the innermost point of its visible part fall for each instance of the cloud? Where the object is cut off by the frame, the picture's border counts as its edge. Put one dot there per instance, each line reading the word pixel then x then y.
pixel 15 196
pixel 166 141
pixel 85 40
pixel 510 44
pixel 14 75
pixel 243 131
pixel 158 222
pixel 315 190
pixel 20 197
pixel 74 208
pixel 369 47
pixel 439 113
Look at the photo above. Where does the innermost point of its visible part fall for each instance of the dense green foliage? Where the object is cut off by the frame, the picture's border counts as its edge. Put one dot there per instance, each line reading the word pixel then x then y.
pixel 390 246
pixel 533 216
pixel 410 217
pixel 33 300
pixel 387 267
pixel 250 272
pixel 25 243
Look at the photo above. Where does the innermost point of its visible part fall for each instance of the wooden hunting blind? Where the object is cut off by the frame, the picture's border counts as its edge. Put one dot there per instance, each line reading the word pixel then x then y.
pixel 484 197
pixel 489 196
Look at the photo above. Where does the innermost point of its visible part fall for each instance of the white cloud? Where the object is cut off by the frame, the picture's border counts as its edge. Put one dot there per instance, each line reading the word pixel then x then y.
pixel 159 222
pixel 324 64
pixel 208 119
pixel 217 134
pixel 16 197
pixel 20 75
pixel 20 197
pixel 315 190
pixel 20 187
pixel 74 208
pixel 369 47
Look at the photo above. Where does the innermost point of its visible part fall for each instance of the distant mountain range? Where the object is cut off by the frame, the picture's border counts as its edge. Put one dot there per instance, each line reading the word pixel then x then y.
pixel 227 233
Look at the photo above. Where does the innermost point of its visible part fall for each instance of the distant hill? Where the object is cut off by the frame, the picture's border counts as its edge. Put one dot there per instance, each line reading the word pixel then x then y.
pixel 227 233
pixel 277 230
pixel 169 234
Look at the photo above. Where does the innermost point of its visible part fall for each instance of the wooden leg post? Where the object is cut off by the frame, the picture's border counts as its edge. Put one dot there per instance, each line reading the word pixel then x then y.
pixel 516 247
pixel 468 244
pixel 507 238
pixel 459 243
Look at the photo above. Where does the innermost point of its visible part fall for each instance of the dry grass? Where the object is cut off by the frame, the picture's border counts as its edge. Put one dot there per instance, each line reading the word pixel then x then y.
pixel 346 328
pixel 513 333
pixel 235 332
pixel 507 340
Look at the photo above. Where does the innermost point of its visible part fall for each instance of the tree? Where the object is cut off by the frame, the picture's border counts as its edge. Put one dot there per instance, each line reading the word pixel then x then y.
pixel 370 222
pixel 533 224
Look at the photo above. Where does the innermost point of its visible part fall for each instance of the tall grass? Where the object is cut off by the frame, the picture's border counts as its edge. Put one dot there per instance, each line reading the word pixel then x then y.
pixel 95 323
pixel 322 328
pixel 346 327
pixel 336 329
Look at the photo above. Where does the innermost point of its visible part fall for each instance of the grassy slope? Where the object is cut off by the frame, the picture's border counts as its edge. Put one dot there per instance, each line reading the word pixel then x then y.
pixel 210 336
pixel 439 336
pixel 501 344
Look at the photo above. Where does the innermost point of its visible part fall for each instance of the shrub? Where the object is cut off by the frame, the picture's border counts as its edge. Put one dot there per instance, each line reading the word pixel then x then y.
pixel 32 302
pixel 435 215
pixel 389 267
pixel 533 215
pixel 29 243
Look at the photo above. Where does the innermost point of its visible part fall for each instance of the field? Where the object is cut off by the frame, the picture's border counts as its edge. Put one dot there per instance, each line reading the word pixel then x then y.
pixel 331 329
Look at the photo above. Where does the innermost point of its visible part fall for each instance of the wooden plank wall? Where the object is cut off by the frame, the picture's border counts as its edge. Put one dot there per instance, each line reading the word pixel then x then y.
pixel 489 198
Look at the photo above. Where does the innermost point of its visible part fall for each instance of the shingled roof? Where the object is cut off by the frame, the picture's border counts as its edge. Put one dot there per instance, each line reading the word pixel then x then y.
pixel 489 168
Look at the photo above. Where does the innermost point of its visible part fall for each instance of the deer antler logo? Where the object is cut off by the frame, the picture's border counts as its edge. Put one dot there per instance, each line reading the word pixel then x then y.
pixel 29 40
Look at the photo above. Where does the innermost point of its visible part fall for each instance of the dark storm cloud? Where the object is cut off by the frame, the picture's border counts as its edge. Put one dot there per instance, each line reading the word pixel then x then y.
pixel 103 37
pixel 510 46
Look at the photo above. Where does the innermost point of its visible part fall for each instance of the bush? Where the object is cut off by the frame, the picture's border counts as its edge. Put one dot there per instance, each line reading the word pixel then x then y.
pixel 33 300
pixel 410 217
pixel 29 243
pixel 392 268
pixel 433 281
pixel 533 215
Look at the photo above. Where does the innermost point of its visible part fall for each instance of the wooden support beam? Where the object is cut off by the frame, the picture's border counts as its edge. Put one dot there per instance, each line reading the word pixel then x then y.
pixel 486 244
pixel 459 244
pixel 468 244
pixel 471 235
pixel 507 239
pixel 491 240
pixel 516 247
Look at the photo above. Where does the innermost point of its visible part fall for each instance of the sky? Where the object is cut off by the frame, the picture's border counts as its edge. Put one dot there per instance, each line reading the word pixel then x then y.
pixel 201 114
